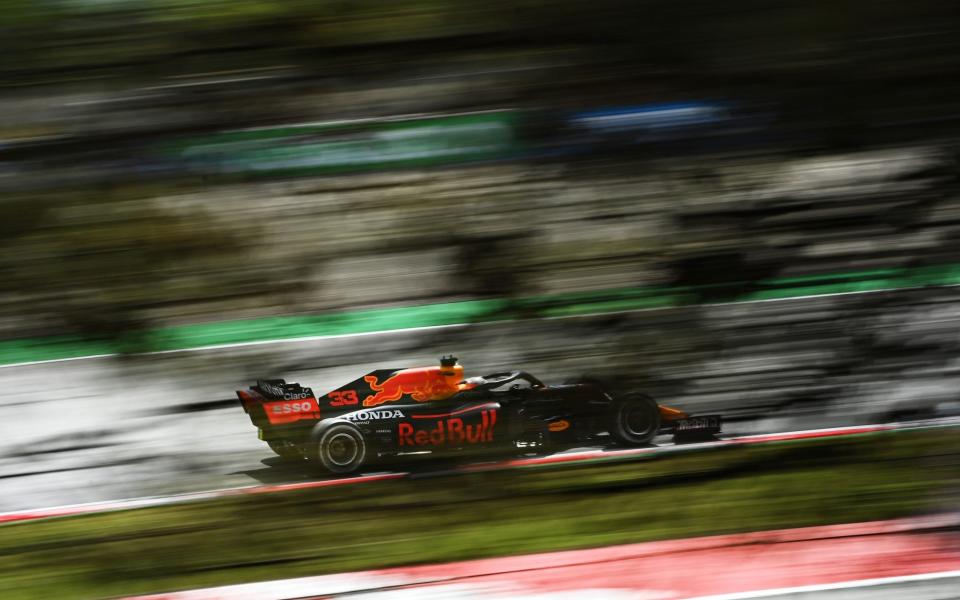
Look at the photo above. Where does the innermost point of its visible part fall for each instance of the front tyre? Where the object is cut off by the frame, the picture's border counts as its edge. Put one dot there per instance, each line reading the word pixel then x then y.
pixel 338 446
pixel 634 419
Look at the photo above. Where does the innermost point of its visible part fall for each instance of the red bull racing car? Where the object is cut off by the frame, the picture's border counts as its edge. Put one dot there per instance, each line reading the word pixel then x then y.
pixel 391 412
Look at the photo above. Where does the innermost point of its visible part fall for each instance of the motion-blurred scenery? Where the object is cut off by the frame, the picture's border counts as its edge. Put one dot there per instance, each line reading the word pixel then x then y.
pixel 692 268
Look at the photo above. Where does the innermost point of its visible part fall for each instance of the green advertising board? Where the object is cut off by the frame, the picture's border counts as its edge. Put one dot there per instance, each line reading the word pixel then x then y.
pixel 353 145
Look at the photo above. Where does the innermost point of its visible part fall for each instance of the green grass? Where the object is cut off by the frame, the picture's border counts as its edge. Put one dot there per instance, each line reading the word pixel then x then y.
pixel 388 523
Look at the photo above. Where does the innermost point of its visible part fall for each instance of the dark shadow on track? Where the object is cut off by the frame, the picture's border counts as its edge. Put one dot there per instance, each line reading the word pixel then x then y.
pixel 278 470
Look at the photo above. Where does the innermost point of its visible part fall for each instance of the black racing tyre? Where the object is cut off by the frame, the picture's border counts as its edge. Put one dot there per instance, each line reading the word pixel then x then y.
pixel 338 446
pixel 285 449
pixel 634 419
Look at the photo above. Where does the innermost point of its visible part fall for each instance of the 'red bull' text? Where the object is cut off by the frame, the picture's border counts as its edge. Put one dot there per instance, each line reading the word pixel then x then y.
pixel 449 432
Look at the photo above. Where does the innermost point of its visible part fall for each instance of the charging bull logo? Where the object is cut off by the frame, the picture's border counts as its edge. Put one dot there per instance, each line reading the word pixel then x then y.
pixel 422 385
pixel 449 432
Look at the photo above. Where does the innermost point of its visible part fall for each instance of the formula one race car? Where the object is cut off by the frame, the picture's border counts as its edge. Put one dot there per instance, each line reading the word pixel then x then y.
pixel 391 412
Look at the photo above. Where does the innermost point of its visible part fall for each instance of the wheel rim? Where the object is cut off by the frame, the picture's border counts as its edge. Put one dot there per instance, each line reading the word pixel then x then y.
pixel 342 449
pixel 637 421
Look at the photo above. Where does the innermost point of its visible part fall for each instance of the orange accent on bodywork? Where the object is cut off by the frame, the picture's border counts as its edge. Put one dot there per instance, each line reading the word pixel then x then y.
pixel 561 425
pixel 422 384
pixel 671 414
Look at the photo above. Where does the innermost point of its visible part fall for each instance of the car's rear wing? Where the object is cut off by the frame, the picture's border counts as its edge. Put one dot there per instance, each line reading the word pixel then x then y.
pixel 273 402
pixel 278 389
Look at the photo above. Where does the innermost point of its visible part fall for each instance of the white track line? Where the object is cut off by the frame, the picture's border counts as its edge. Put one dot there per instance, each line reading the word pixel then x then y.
pixel 824 587
pixel 293 340
pixel 152 501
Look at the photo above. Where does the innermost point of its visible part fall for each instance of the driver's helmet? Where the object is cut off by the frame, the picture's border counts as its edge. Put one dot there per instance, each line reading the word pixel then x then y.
pixel 451 371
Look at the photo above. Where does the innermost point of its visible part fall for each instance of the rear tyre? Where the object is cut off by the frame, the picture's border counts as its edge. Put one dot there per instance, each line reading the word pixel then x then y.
pixel 634 419
pixel 285 449
pixel 338 446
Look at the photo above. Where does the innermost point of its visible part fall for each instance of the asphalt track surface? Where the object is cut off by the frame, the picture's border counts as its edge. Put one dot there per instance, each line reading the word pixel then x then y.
pixel 148 434
pixel 107 428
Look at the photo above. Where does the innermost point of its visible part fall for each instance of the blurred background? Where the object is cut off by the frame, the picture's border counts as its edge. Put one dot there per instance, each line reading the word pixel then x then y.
pixel 744 207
